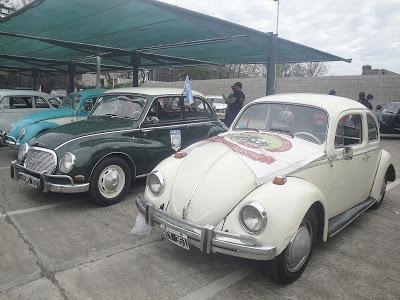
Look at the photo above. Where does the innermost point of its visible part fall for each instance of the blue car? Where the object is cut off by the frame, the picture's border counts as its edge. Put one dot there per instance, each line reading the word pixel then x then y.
pixel 74 108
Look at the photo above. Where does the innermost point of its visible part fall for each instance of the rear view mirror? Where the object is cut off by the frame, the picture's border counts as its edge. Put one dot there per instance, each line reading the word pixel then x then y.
pixel 348 153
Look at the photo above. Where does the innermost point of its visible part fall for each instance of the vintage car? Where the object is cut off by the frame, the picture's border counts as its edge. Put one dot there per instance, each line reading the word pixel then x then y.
pixel 126 135
pixel 291 170
pixel 74 108
pixel 219 105
pixel 15 104
pixel 390 119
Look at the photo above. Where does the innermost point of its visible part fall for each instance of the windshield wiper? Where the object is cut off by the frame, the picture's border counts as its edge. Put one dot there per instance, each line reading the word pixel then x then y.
pixel 285 131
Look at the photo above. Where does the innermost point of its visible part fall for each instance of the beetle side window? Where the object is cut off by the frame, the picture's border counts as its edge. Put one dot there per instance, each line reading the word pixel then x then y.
pixel 20 102
pixel 41 103
pixel 349 131
pixel 372 129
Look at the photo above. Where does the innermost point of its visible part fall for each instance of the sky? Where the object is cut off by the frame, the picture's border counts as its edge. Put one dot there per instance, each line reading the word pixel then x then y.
pixel 365 30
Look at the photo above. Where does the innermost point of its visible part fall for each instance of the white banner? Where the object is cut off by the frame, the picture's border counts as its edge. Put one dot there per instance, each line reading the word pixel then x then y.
pixel 268 154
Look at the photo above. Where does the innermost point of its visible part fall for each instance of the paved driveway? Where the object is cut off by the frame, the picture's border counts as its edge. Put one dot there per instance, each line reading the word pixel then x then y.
pixel 65 247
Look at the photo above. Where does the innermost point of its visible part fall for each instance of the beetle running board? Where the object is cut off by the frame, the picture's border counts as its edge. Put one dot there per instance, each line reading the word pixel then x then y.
pixel 338 223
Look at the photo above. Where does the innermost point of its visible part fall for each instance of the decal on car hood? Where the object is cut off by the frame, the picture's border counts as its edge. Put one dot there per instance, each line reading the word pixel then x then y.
pixel 269 154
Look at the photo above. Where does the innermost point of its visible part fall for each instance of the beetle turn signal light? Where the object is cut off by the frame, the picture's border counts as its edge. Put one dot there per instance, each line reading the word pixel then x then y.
pixel 180 155
pixel 279 180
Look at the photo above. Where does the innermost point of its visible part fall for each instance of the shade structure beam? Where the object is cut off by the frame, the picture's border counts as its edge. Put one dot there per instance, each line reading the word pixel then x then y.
pixel 271 67
pixel 135 60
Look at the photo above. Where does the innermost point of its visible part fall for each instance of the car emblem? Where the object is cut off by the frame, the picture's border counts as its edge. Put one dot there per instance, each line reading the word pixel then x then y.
pixel 176 141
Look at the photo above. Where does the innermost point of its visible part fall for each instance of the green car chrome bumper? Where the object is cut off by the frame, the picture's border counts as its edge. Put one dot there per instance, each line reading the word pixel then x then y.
pixel 206 238
pixel 45 182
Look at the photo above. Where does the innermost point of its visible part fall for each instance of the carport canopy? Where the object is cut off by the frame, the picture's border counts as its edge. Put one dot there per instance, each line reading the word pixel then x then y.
pixel 64 37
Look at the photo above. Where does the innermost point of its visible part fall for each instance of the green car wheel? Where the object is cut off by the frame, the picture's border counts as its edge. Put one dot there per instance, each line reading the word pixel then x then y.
pixel 110 181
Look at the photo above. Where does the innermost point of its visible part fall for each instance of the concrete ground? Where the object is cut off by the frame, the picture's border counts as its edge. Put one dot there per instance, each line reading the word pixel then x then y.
pixel 65 247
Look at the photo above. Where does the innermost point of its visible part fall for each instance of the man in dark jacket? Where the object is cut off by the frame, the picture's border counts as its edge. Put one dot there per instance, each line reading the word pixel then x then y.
pixel 364 101
pixel 235 103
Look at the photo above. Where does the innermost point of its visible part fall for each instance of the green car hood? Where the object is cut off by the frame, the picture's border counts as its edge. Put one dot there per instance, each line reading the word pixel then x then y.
pixel 53 138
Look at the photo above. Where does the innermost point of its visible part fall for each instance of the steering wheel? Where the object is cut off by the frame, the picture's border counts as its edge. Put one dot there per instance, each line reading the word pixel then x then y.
pixel 309 135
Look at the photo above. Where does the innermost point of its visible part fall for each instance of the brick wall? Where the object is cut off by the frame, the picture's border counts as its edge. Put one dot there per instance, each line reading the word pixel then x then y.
pixel 385 88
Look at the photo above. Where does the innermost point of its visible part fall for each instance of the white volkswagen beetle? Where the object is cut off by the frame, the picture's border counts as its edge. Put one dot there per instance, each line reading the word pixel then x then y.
pixel 292 169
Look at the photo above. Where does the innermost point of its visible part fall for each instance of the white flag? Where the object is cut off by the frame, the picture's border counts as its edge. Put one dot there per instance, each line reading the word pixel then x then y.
pixel 187 91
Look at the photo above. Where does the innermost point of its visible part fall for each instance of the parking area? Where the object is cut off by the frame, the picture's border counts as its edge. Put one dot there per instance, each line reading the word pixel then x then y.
pixel 65 247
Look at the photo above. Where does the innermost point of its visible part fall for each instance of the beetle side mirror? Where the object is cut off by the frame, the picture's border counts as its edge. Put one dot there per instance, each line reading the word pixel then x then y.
pixel 348 153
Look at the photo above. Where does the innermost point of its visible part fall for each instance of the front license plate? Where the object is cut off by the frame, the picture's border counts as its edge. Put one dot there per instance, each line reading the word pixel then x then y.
pixel 176 237
pixel 30 180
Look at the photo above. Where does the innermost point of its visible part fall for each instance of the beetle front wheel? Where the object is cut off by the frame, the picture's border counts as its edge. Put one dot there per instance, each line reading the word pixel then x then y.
pixel 294 259
pixel 110 181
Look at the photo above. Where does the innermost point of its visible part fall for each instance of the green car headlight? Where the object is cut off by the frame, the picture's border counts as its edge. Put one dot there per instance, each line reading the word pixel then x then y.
pixel 23 151
pixel 156 183
pixel 253 217
pixel 21 133
pixel 67 163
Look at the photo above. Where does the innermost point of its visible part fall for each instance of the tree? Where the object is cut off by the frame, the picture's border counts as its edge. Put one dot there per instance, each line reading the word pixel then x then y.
pixel 311 69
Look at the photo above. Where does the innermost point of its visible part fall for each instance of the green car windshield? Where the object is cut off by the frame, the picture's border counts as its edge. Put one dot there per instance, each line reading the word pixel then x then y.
pixel 72 101
pixel 120 106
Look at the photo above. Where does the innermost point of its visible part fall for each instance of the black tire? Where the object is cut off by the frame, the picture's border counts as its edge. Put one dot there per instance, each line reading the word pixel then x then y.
pixel 378 203
pixel 94 188
pixel 283 273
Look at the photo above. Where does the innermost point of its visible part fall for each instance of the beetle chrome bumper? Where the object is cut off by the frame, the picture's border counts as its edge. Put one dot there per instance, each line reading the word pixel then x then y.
pixel 206 238
pixel 48 183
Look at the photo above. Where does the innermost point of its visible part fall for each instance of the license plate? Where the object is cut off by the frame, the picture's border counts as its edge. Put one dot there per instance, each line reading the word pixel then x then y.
pixel 176 237
pixel 30 180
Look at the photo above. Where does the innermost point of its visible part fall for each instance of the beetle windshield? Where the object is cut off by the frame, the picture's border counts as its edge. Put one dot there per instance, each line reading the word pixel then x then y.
pixel 119 106
pixel 308 123
pixel 72 101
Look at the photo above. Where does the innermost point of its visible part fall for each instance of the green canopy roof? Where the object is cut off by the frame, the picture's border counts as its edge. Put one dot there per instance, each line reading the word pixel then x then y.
pixel 48 34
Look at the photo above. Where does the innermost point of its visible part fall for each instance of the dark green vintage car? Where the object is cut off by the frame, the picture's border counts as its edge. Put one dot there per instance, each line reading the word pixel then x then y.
pixel 127 134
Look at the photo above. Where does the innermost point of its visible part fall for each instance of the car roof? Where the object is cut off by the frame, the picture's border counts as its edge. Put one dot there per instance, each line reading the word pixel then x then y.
pixel 6 92
pixel 90 92
pixel 152 91
pixel 331 104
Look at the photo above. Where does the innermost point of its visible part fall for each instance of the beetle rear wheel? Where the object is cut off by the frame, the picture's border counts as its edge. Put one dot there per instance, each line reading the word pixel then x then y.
pixel 294 259
pixel 110 181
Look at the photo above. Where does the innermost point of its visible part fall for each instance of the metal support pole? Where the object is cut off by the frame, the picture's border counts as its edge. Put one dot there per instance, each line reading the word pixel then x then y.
pixel 135 60
pixel 271 67
pixel 35 79
pixel 71 73
pixel 98 71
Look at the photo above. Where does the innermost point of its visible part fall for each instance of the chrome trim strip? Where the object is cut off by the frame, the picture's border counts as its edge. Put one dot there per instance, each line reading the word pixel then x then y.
pixel 147 129
pixel 94 134
pixel 206 238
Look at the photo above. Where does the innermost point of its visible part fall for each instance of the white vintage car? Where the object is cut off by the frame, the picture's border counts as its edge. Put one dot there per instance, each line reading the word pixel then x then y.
pixel 292 169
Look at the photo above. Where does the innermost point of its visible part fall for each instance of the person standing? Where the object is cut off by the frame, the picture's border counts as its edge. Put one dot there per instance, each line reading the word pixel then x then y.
pixel 364 101
pixel 235 103
pixel 378 113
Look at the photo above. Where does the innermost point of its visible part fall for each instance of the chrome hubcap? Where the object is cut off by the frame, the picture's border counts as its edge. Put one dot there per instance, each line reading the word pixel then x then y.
pixel 111 181
pixel 299 248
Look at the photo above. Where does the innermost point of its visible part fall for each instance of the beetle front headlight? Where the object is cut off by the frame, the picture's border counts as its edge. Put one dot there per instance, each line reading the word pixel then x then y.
pixel 156 183
pixel 67 162
pixel 21 133
pixel 253 217
pixel 23 151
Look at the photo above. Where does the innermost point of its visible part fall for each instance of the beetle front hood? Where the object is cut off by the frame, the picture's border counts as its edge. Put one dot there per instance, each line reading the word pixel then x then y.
pixel 61 134
pixel 218 173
